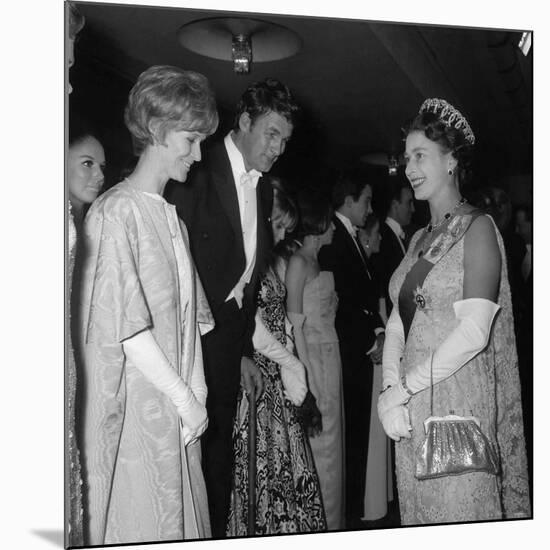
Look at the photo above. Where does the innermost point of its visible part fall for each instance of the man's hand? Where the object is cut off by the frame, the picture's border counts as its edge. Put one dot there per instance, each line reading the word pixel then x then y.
pixel 251 377
pixel 376 355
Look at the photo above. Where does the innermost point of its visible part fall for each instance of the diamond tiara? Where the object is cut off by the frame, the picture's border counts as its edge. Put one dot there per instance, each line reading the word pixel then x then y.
pixel 449 115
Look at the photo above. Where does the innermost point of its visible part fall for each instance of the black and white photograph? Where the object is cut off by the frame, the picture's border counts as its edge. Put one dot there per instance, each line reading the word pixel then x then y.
pixel 295 279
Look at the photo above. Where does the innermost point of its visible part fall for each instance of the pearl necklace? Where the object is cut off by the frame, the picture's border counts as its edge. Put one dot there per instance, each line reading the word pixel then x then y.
pixel 431 226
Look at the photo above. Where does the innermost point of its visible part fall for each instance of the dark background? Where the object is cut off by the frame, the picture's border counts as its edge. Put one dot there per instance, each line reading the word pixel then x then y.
pixel 357 81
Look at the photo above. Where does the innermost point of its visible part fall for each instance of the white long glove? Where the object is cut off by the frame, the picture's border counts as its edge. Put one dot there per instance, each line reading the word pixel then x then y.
pixel 394 344
pixel 293 373
pixel 476 317
pixel 396 423
pixel 144 352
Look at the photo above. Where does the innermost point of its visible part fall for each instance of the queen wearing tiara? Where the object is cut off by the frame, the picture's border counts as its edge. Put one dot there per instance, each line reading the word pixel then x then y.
pixel 457 356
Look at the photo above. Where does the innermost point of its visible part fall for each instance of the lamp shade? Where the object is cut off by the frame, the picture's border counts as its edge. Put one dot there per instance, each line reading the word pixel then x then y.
pixel 213 37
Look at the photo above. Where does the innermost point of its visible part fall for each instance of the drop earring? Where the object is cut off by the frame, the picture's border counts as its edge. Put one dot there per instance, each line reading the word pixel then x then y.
pixel 450 171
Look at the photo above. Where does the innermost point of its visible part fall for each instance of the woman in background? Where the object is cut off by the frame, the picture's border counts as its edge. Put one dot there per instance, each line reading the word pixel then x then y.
pixel 85 168
pixel 288 497
pixel 311 306
pixel 142 313
pixel 378 486
pixel 73 479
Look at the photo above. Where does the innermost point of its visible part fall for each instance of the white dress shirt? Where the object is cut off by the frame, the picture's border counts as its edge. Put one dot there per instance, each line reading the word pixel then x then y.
pixel 245 184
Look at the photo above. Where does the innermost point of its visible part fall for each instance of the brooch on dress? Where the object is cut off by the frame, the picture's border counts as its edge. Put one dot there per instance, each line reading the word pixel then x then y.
pixel 422 300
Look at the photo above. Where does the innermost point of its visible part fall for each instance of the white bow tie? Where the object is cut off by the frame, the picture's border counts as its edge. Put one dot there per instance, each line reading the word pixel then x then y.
pixel 250 178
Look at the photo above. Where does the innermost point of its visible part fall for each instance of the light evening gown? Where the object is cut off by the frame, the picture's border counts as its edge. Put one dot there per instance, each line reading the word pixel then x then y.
pixel 325 382
pixel 487 386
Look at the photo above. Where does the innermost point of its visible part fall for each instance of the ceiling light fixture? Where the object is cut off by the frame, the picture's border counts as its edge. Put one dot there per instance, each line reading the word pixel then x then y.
pixel 240 40
pixel 391 160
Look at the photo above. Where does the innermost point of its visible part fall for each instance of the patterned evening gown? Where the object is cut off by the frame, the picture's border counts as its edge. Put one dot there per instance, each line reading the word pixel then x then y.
pixel 288 496
pixel 73 482
pixel 325 381
pixel 487 386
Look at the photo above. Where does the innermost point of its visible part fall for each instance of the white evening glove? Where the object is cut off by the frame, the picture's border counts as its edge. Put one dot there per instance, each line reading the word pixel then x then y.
pixel 394 344
pixel 396 423
pixel 292 371
pixel 476 317
pixel 144 352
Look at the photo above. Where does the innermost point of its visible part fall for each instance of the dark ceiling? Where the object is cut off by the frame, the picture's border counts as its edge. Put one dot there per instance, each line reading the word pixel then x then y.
pixel 358 81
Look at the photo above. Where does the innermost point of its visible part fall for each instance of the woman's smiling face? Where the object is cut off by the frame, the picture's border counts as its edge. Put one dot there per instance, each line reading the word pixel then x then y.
pixel 86 163
pixel 427 165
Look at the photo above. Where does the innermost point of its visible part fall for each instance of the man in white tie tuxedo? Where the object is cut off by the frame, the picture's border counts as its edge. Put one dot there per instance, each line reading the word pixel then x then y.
pixel 226 208
pixel 393 244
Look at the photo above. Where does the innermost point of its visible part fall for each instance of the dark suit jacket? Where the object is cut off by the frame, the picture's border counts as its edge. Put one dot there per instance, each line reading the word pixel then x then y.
pixel 208 205
pixel 387 260
pixel 357 314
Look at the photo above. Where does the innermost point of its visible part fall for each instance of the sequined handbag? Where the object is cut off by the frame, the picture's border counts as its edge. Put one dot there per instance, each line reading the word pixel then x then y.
pixel 454 445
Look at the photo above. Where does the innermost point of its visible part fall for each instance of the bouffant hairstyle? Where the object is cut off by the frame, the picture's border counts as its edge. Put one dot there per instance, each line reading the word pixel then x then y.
pixel 264 97
pixel 168 98
pixel 449 138
pixel 76 21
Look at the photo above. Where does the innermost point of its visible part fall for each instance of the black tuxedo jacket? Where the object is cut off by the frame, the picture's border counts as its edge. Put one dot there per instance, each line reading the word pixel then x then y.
pixel 387 260
pixel 208 205
pixel 358 294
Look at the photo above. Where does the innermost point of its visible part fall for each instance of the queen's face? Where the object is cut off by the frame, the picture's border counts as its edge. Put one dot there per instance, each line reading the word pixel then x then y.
pixel 179 151
pixel 85 166
pixel 427 166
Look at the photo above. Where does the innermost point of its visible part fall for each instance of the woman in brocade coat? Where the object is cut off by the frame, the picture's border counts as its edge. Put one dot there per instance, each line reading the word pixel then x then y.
pixel 452 319
pixel 143 310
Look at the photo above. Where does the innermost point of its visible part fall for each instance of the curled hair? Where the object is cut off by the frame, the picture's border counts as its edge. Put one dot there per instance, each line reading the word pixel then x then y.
pixel 267 96
pixel 315 216
pixel 449 138
pixel 76 20
pixel 172 99
pixel 347 185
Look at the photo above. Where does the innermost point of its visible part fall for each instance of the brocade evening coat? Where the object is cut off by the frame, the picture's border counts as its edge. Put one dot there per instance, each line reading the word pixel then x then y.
pixel 143 484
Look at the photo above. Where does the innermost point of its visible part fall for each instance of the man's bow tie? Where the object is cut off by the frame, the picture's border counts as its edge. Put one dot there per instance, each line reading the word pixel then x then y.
pixel 250 178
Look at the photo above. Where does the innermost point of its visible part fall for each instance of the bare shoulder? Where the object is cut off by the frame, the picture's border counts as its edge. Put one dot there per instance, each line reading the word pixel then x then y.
pixel 297 261
pixel 482 235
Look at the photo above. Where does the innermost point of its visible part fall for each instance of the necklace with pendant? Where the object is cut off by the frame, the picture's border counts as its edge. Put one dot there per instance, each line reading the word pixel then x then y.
pixel 431 226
